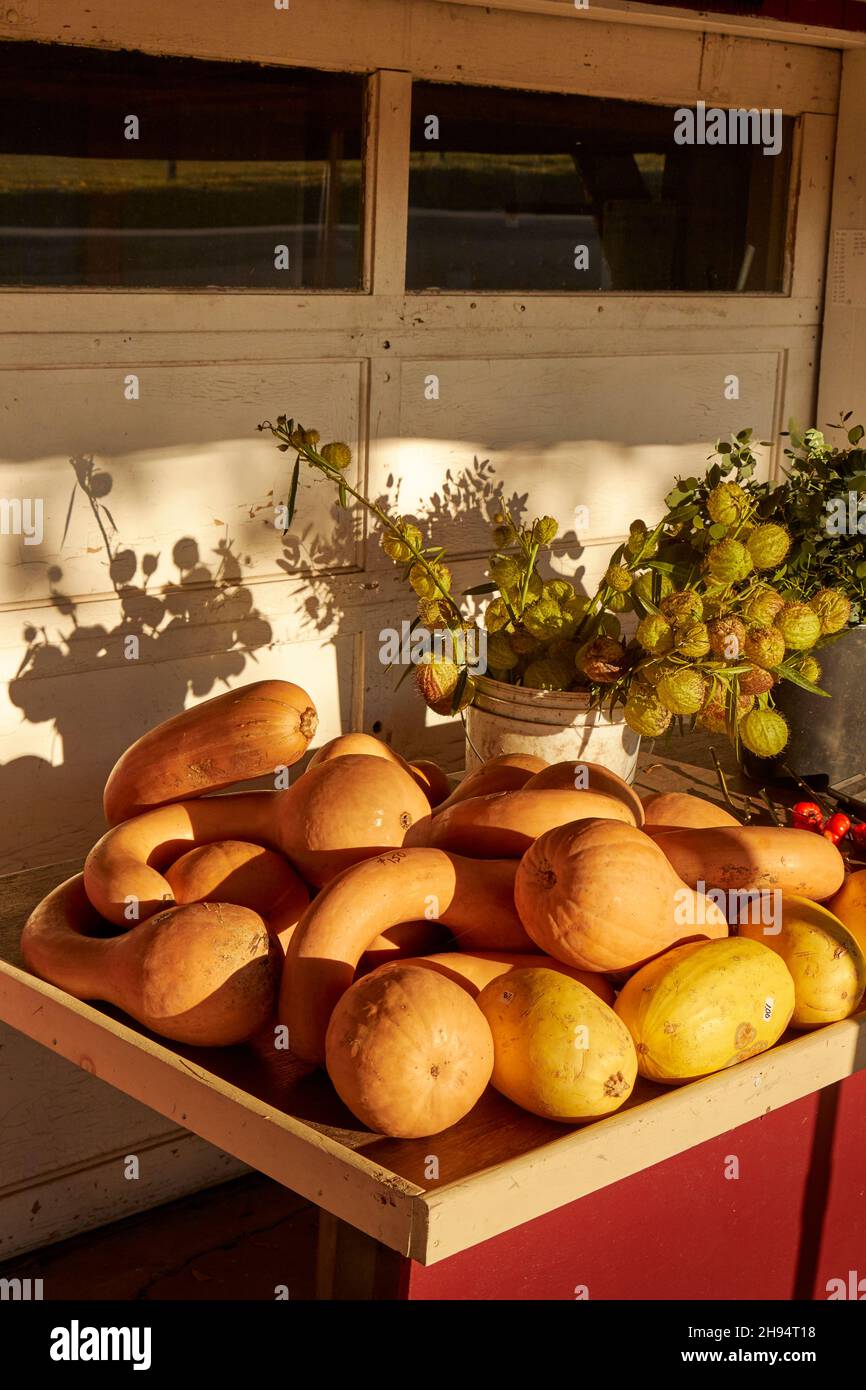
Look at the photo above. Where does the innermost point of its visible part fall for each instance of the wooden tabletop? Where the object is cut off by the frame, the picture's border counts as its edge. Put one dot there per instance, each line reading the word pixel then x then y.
pixel 496 1169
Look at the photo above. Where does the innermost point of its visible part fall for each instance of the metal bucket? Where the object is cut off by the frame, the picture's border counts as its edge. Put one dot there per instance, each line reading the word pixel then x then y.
pixel 554 724
pixel 826 735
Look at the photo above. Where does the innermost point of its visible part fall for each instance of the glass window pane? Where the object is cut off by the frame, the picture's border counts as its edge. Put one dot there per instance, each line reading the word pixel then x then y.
pixel 517 190
pixel 231 162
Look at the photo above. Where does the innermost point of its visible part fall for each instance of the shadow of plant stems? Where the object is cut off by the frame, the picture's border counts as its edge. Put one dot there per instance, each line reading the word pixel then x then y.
pixel 193 636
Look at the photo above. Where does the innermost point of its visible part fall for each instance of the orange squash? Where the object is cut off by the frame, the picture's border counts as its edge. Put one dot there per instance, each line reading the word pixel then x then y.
pixel 601 896
pixel 408 1051
pixel 754 857
pixel 669 810
pixel 333 816
pixel 431 779
pixel 476 970
pixel 583 776
pixel 475 899
pixel 503 825
pixel 234 871
pixel 407 940
pixel 506 773
pixel 204 974
pixel 246 733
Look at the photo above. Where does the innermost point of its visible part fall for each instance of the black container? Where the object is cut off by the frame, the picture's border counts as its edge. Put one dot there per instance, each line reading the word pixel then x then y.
pixel 826 735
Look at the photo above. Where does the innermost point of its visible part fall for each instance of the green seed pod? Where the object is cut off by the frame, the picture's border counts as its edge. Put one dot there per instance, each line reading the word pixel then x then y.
pixel 693 641
pixel 496 615
pixel 714 715
pixel 682 691
pixel 523 643
pixel 548 674
pixel 543 619
pixel 765 646
pixel 617 577
pixel 655 634
pixel 727 503
pixel 756 681
pixel 728 561
pixel 637 541
pixel 544 531
pixel 762 607
pixel 651 669
pixel 504 569
pixel 642 589
pixel 609 625
pixel 601 660
pixel 768 545
pixel 620 603
pixel 431 613
pixel 810 670
pixel 337 455
pixel 501 536
pixel 833 609
pixel 764 732
pixel 727 637
pixel 395 547
pixel 799 625
pixel 500 651
pixel 644 713
pixel 683 607
pixel 560 590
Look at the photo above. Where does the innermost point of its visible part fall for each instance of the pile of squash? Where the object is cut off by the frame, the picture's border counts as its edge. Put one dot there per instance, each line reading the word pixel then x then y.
pixel 539 928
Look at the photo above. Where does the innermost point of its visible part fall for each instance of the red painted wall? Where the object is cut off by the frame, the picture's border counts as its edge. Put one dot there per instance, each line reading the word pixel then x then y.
pixel 794 1218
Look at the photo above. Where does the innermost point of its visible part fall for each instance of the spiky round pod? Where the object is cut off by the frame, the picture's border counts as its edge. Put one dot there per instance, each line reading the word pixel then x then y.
pixel 505 570
pixel 683 607
pixel 764 732
pixel 810 670
pixel 609 626
pixel 768 545
pixel 762 606
pixel 431 613
pixel 560 590
pixel 642 589
pixel 652 668
pixel 502 536
pixel 644 713
pixel 727 637
pixel 728 561
pixel 799 625
pixel 765 646
pixel 601 660
pixel 544 530
pixel 496 615
pixel 435 679
pixel 756 681
pixel 548 674
pixel 500 651
pixel 714 714
pixel 619 578
pixel 524 643
pixel 543 619
pixel 682 691
pixel 620 603
pixel 833 609
pixel 395 546
pixel 693 641
pixel 337 455
pixel 638 536
pixel 655 634
pixel 422 582
pixel 727 503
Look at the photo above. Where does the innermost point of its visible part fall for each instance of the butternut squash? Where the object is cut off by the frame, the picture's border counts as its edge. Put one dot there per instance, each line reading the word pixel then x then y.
pixel 583 776
pixel 601 896
pixel 431 779
pixel 754 857
pixel 706 1006
pixel 233 871
pixel 476 970
pixel 682 810
pixel 506 773
pixel 503 825
pixel 204 974
pixel 475 899
pixel 333 816
pixel 849 905
pixel 408 1051
pixel 242 734
pixel 407 940
pixel 428 775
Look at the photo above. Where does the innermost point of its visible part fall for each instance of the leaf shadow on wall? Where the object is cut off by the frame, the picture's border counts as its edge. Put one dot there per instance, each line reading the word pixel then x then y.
pixel 196 636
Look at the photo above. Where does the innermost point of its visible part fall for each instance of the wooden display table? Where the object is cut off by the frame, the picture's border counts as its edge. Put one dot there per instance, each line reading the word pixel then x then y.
pixel 747 1185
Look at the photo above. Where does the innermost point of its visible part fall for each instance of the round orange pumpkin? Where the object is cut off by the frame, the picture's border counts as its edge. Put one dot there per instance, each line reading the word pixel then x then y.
pixel 408 1051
